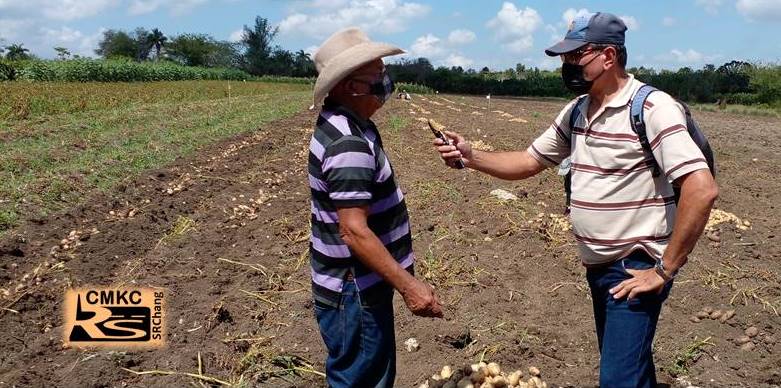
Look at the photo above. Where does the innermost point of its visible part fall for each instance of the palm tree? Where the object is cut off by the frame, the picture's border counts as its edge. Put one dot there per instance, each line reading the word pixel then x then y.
pixel 17 52
pixel 157 40
pixel 62 53
pixel 304 66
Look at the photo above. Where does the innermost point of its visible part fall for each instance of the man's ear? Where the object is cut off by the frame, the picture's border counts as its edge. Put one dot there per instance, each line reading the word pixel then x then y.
pixel 611 56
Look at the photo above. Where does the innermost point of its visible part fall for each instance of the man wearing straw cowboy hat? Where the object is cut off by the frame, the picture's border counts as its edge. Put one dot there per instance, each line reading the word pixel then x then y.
pixel 361 245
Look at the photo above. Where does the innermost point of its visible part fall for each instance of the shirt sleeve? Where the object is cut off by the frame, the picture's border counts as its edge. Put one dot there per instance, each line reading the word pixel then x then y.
pixel 553 145
pixel 673 148
pixel 349 168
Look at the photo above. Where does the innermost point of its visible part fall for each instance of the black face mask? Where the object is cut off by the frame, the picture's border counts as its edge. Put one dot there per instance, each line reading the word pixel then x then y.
pixel 573 77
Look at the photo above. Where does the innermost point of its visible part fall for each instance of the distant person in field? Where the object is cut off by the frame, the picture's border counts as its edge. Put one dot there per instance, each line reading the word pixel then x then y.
pixel 632 237
pixel 361 245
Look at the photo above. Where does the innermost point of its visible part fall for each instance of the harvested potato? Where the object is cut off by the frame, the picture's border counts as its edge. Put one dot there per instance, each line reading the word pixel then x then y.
pixel 465 383
pixel 727 316
pixel 742 340
pixel 493 369
pixel 514 378
pixel 702 314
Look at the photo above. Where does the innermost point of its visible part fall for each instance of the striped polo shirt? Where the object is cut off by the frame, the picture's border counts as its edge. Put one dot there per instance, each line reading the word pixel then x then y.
pixel 617 205
pixel 348 168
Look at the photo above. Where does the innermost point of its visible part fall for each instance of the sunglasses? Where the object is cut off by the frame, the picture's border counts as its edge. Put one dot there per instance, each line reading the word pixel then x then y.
pixel 574 57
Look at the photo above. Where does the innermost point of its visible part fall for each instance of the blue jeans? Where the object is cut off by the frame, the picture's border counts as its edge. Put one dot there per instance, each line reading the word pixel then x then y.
pixel 625 329
pixel 361 341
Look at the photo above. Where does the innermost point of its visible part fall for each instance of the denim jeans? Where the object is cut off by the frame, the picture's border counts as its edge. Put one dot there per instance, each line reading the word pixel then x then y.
pixel 625 328
pixel 361 341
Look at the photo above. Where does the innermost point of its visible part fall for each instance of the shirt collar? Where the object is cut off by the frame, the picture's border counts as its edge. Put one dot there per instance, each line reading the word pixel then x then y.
pixel 623 97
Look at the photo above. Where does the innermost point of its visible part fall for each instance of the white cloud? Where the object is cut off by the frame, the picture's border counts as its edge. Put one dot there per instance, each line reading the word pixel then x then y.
pixel 332 4
pixel 458 60
pixel 710 6
pixel 140 7
pixel 760 10
pixel 438 52
pixel 668 21
pixel 381 16
pixel 689 57
pixel 519 45
pixel 175 7
pixel 41 39
pixel 630 22
pixel 555 34
pixel 570 14
pixel 15 29
pixel 461 36
pixel 181 7
pixel 514 27
pixel 311 50
pixel 56 9
pixel 558 30
pixel 236 36
pixel 427 46
pixel 549 63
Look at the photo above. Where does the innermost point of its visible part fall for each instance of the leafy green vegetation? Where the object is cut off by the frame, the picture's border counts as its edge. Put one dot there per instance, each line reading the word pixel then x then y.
pixel 118 70
pixel 733 83
pixel 96 134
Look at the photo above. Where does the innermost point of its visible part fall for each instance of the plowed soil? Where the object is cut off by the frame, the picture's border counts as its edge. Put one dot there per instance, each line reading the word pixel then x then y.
pixel 514 292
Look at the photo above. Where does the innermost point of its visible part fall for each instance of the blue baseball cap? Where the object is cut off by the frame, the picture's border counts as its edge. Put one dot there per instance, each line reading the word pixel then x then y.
pixel 600 28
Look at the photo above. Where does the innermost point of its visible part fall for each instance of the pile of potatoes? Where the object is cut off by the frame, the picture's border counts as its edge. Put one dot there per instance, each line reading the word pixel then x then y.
pixel 483 375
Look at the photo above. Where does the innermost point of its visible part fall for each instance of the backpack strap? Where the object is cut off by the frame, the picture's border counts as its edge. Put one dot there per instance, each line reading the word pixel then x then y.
pixel 574 116
pixel 638 122
pixel 573 119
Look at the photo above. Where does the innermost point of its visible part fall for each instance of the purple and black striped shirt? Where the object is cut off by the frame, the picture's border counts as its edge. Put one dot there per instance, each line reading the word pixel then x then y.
pixel 348 168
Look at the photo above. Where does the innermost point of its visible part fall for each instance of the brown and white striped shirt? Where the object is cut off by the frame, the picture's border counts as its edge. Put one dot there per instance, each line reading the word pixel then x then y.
pixel 617 205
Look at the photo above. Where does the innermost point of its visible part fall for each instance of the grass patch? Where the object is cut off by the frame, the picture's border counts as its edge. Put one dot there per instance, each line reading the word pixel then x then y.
pixel 445 273
pixel 413 88
pixel 688 356
pixel 740 109
pixel 48 162
pixel 395 123
pixel 433 191
pixel 260 363
pixel 180 227
pixel 27 100
pixel 392 132
pixel 8 218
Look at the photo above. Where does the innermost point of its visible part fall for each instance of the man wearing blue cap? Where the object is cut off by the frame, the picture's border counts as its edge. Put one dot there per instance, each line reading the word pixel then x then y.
pixel 634 232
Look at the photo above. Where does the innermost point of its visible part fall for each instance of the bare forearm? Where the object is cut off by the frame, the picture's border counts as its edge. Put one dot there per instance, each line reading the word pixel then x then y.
pixel 693 210
pixel 512 165
pixel 373 254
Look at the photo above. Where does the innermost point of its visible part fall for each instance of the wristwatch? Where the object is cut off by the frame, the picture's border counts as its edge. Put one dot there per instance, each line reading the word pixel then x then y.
pixel 660 270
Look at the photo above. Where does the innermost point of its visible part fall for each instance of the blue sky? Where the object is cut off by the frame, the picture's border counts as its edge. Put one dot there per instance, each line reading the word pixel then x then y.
pixel 497 34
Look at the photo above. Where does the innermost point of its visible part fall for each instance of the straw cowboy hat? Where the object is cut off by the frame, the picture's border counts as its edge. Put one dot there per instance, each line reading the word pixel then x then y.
pixel 343 53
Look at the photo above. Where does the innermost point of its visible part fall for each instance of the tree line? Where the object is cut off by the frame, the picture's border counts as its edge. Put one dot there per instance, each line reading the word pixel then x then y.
pixel 254 53
pixel 733 82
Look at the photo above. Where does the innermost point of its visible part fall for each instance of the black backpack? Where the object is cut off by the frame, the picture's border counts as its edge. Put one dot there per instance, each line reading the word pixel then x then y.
pixel 638 126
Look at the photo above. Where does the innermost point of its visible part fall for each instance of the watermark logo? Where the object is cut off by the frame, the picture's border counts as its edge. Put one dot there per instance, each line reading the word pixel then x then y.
pixel 115 317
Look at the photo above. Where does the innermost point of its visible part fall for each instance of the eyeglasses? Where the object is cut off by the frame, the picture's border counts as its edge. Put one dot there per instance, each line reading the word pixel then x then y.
pixel 574 57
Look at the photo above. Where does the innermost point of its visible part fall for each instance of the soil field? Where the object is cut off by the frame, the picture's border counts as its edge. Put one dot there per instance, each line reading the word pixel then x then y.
pixel 225 229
